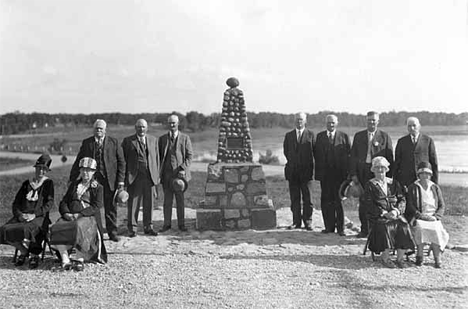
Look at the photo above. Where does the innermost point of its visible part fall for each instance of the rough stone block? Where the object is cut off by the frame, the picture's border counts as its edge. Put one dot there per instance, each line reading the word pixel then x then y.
pixel 230 224
pixel 244 169
pixel 237 200
pixel 231 213
pixel 223 201
pixel 215 188
pixel 244 178
pixel 211 200
pixel 245 213
pixel 257 173
pixel 261 201
pixel 243 224
pixel 215 172
pixel 231 175
pixel 240 187
pixel 256 188
pixel 209 219
pixel 263 219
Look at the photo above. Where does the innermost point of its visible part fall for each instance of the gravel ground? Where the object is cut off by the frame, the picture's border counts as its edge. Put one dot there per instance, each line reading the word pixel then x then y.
pixel 245 269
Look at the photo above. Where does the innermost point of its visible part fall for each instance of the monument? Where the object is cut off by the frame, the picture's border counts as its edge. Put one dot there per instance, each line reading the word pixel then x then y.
pixel 235 194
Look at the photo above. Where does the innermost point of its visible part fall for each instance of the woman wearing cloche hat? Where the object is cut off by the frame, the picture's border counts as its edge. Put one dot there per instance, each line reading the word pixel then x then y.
pixel 424 209
pixel 26 230
pixel 80 224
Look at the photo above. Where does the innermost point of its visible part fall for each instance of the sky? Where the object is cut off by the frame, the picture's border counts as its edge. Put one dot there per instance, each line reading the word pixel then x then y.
pixel 145 56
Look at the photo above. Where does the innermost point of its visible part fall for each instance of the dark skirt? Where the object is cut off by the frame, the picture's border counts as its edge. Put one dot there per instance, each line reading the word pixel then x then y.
pixel 390 234
pixel 81 234
pixel 14 231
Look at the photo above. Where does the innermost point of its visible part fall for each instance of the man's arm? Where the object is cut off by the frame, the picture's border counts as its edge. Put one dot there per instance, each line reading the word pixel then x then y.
pixel 120 165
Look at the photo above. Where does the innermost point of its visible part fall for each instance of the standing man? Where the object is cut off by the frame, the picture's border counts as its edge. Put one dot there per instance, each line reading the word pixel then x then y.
pixel 110 170
pixel 141 176
pixel 175 152
pixel 332 151
pixel 368 144
pixel 411 150
pixel 298 148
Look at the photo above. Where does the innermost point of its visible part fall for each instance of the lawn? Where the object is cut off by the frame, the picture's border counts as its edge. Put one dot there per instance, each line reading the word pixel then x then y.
pixel 12 163
pixel 455 219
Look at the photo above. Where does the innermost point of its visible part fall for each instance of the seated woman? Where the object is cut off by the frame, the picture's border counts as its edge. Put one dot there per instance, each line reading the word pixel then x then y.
pixel 424 209
pixel 80 224
pixel 26 230
pixel 385 204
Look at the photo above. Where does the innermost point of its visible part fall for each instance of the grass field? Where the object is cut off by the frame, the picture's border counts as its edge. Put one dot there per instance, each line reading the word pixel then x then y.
pixel 12 163
pixel 455 220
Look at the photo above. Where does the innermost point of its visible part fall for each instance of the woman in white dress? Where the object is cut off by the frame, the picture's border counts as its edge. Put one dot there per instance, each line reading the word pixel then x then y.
pixel 425 208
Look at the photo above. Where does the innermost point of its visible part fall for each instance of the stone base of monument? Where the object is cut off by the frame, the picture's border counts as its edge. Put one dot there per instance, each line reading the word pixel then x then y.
pixel 236 199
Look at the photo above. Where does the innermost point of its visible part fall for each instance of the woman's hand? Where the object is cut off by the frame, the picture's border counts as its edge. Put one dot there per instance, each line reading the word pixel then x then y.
pixel 425 217
pixel 68 216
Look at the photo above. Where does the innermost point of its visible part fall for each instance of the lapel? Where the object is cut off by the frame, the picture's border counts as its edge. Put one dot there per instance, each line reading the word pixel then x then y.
pixel 134 142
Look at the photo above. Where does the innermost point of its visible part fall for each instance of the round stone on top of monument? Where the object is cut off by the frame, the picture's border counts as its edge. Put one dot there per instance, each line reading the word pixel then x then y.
pixel 232 82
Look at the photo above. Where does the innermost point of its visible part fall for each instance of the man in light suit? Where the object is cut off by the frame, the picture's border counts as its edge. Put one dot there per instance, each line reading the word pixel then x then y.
pixel 110 171
pixel 368 144
pixel 411 150
pixel 298 148
pixel 175 153
pixel 332 151
pixel 141 176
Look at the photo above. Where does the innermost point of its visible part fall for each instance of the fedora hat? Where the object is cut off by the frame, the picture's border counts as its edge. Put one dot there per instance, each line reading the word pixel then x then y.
pixel 179 184
pixel 120 197
pixel 350 189
pixel 44 160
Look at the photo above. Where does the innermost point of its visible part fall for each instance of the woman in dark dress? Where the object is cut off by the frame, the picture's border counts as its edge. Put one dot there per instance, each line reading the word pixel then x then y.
pixel 80 224
pixel 27 229
pixel 385 202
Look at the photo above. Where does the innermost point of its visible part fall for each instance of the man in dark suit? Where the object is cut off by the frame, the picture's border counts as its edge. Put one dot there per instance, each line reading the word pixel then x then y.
pixel 368 144
pixel 175 152
pixel 332 151
pixel 141 176
pixel 298 148
pixel 110 171
pixel 411 150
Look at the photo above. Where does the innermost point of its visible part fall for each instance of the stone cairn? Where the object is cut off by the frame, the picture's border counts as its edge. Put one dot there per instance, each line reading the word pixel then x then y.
pixel 235 193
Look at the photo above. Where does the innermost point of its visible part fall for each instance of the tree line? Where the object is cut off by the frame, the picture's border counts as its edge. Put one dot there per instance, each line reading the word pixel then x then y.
pixel 17 122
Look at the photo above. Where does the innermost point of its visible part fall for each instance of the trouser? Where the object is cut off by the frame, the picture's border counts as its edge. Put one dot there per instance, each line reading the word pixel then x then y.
pixel 168 201
pixel 298 188
pixel 332 208
pixel 364 175
pixel 140 195
pixel 110 209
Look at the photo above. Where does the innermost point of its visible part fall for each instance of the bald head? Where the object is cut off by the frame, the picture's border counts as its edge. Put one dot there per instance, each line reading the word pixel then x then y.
pixel 413 125
pixel 300 120
pixel 141 127
pixel 331 121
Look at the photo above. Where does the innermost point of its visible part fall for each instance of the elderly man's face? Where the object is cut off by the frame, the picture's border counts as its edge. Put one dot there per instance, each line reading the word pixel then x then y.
pixel 173 123
pixel 300 122
pixel 413 127
pixel 141 127
pixel 99 130
pixel 372 122
pixel 332 122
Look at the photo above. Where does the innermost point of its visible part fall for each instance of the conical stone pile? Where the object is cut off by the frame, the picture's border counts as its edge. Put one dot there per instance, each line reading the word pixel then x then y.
pixel 235 140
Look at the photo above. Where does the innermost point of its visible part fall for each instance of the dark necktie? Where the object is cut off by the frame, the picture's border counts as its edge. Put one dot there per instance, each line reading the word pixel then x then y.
pixel 330 138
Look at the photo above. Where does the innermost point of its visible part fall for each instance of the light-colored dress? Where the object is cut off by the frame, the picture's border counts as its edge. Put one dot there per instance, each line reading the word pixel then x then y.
pixel 429 231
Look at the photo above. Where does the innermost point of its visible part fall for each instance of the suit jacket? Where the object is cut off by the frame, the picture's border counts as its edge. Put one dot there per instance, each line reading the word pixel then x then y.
pixel 114 161
pixel 338 156
pixel 408 156
pixel 184 152
pixel 131 150
pixel 381 146
pixel 299 156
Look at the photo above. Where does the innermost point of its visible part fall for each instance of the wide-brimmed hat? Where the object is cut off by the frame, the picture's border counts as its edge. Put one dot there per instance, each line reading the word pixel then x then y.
pixel 179 184
pixel 424 167
pixel 87 162
pixel 120 197
pixel 350 189
pixel 44 160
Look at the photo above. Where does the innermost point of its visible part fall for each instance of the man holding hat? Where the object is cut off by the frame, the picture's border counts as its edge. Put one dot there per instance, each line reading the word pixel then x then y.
pixel 175 153
pixel 141 176
pixel 110 172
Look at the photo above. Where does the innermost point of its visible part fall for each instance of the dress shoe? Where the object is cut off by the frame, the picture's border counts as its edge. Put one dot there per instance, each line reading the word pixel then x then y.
pixel 182 228
pixel 401 264
pixel 20 260
pixel 308 228
pixel 419 260
pixel 324 231
pixel 132 234
pixel 294 226
pixel 33 262
pixel 165 228
pixel 342 233
pixel 67 266
pixel 438 264
pixel 361 235
pixel 388 263
pixel 114 238
pixel 78 266
pixel 151 232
